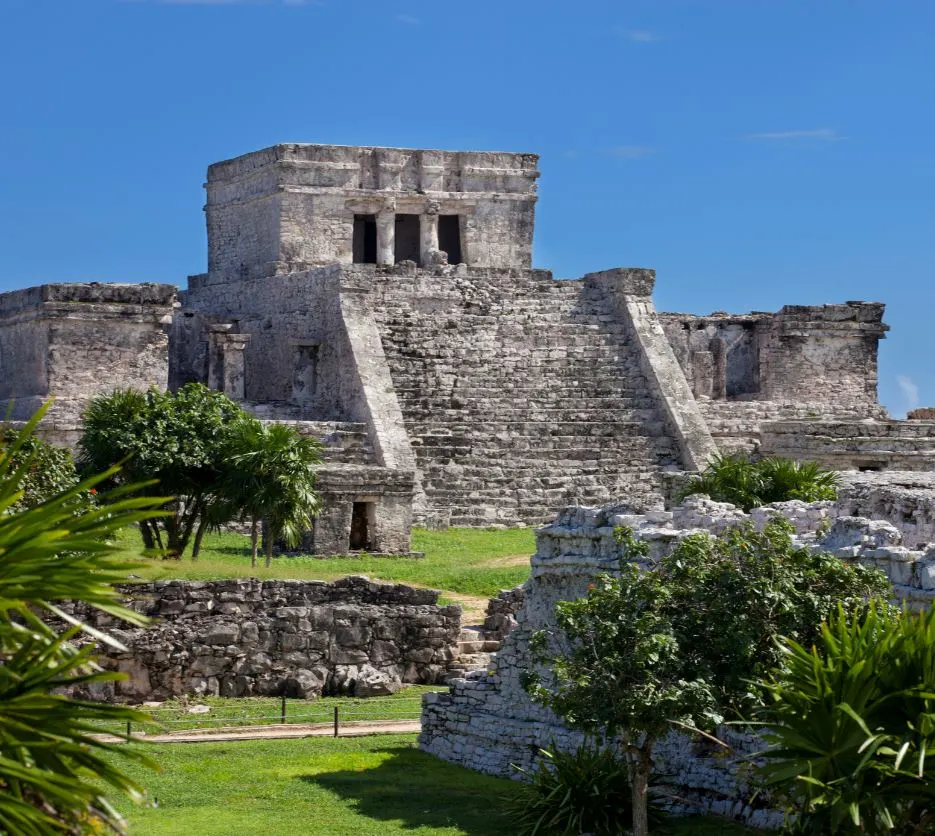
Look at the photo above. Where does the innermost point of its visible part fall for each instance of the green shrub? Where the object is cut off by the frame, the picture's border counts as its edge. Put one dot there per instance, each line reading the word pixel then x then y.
pixel 678 645
pixel 748 484
pixel 49 470
pixel 851 723
pixel 584 791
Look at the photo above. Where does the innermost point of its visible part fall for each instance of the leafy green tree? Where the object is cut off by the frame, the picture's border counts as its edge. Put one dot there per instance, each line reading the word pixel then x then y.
pixel 53 769
pixel 851 723
pixel 677 645
pixel 749 484
pixel 271 476
pixel 180 441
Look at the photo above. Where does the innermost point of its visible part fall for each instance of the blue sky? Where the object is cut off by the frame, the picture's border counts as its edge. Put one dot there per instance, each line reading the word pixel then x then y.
pixel 755 152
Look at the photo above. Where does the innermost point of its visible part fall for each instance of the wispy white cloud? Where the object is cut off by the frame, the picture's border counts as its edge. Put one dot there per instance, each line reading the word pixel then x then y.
pixel 408 20
pixel 823 134
pixel 910 391
pixel 629 152
pixel 640 36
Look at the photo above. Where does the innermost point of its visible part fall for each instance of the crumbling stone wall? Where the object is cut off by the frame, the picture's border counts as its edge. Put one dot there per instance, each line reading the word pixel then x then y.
pixel 302 638
pixel 804 362
pixel 75 341
pixel 906 500
pixel 487 722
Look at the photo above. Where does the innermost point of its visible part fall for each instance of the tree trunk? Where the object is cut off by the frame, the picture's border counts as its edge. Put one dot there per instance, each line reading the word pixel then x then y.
pixel 147 534
pixel 269 546
pixel 254 540
pixel 199 534
pixel 642 768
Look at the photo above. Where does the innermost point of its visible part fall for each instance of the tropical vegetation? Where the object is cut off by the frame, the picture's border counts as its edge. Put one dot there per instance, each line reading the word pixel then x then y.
pixel 851 723
pixel 749 484
pixel 586 790
pixel 216 461
pixel 647 651
pixel 54 772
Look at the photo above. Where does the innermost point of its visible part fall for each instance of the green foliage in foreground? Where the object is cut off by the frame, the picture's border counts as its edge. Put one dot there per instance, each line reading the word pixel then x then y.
pixel 49 553
pixel 679 644
pixel 749 484
pixel 852 723
pixel 50 471
pixel 373 786
pixel 584 791
pixel 460 560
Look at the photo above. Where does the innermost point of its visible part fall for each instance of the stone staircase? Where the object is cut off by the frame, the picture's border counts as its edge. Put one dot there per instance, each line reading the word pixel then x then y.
pixel 475 652
pixel 520 394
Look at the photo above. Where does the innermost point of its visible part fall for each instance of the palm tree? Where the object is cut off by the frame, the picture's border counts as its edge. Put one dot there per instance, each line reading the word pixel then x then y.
pixel 272 478
pixel 53 767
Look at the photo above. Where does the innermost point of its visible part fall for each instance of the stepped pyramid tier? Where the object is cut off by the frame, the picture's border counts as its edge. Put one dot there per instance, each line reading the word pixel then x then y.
pixel 385 301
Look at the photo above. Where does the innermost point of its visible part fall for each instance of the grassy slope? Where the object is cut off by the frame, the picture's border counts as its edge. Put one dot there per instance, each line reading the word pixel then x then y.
pixel 365 787
pixel 461 560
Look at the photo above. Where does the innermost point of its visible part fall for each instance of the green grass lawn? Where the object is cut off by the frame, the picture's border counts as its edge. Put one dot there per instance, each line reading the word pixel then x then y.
pixel 374 786
pixel 174 715
pixel 459 561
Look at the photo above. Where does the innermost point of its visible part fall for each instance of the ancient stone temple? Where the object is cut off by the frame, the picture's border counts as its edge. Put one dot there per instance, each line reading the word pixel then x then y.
pixel 385 301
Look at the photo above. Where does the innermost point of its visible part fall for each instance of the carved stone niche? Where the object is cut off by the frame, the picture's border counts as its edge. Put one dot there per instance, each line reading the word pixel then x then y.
pixel 226 366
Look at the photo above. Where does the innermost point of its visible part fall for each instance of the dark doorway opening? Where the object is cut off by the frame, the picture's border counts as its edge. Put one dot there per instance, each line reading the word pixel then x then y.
pixel 361 515
pixel 407 238
pixel 365 239
pixel 449 237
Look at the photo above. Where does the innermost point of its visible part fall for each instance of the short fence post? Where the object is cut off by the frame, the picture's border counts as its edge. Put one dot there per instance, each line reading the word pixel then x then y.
pixel 335 721
pixel 282 713
pixel 129 729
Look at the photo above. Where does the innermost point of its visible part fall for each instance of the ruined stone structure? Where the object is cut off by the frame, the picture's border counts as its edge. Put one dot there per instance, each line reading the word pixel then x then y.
pixel 299 638
pixel 487 721
pixel 384 300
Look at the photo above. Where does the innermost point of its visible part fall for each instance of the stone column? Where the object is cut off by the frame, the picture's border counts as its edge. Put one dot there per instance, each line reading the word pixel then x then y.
pixel 235 368
pixel 226 366
pixel 428 246
pixel 386 236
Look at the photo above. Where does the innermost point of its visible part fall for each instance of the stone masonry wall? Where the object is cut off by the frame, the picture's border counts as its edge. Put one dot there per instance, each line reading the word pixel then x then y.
pixel 487 722
pixel 75 341
pixel 906 500
pixel 302 638
pixel 292 206
pixel 519 394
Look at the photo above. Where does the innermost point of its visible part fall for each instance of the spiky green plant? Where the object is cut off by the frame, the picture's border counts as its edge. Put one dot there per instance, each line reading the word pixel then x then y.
pixel 748 484
pixel 53 768
pixel 586 790
pixel 786 479
pixel 851 723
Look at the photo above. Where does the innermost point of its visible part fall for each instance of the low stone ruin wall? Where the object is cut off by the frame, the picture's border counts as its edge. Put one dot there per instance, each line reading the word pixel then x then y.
pixel 299 638
pixel 906 500
pixel 500 616
pixel 487 722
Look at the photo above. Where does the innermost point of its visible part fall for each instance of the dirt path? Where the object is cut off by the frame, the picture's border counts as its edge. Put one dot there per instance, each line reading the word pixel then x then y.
pixel 274 732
